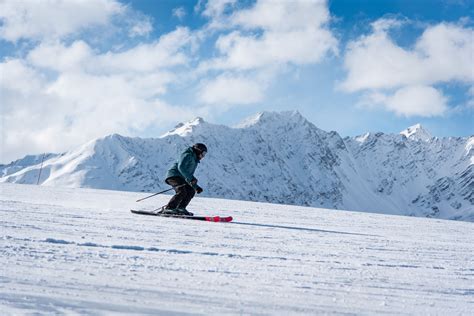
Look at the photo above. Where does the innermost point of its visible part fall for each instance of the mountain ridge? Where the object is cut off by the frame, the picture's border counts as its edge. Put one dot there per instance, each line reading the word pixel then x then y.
pixel 281 157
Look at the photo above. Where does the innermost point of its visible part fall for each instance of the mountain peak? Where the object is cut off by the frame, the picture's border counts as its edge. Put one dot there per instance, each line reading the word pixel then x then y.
pixel 196 121
pixel 268 117
pixel 417 132
pixel 184 129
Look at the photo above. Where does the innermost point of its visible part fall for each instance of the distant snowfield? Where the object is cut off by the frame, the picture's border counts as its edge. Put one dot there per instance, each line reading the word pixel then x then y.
pixel 66 251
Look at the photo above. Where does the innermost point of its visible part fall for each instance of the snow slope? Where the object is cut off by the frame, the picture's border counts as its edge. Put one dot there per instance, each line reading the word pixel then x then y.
pixel 25 162
pixel 80 251
pixel 282 158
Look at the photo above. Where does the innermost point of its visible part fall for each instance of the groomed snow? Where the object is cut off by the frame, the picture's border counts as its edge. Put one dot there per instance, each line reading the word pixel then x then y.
pixel 68 251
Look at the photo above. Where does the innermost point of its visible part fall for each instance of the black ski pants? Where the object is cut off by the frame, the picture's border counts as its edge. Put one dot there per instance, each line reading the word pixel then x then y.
pixel 184 193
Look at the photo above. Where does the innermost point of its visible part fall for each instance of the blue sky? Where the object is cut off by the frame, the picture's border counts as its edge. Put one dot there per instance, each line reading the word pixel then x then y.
pixel 72 71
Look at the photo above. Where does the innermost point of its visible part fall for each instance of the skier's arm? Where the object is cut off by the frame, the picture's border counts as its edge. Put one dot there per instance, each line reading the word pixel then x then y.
pixel 186 167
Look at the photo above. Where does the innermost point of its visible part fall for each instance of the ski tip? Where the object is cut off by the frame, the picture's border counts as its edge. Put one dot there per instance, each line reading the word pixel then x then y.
pixel 213 218
pixel 226 219
pixel 219 218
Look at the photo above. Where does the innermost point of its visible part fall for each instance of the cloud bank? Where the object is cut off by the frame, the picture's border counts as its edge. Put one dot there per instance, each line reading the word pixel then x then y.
pixel 65 91
pixel 99 68
pixel 261 39
pixel 404 80
pixel 94 71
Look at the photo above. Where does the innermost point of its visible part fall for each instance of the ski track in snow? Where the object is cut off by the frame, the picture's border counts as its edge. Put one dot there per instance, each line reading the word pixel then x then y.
pixel 67 251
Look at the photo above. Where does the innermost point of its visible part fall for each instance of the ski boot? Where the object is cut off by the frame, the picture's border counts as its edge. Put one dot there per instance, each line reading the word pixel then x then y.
pixel 175 211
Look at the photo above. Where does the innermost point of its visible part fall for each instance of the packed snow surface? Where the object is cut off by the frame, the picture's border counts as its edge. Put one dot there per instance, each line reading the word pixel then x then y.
pixel 81 251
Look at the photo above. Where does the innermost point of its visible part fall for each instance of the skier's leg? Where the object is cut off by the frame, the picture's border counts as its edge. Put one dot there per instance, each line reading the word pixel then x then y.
pixel 181 193
pixel 187 196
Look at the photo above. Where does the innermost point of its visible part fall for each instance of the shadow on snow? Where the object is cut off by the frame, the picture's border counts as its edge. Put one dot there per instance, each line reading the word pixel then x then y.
pixel 301 229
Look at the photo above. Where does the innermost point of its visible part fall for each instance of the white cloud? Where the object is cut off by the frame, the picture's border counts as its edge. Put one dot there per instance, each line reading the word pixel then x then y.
pixel 470 102
pixel 180 13
pixel 281 32
pixel 258 40
pixel 140 28
pixel 215 9
pixel 281 16
pixel 227 89
pixel 443 53
pixel 31 19
pixel 16 75
pixel 65 91
pixel 448 52
pixel 69 94
pixel 52 114
pixel 409 101
pixel 56 56
pixel 385 24
pixel 417 100
pixel 168 52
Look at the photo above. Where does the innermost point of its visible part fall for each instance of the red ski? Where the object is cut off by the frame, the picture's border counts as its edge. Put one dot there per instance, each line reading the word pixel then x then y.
pixel 197 218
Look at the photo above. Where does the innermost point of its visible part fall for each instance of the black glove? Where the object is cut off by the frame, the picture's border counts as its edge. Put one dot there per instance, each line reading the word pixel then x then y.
pixel 198 189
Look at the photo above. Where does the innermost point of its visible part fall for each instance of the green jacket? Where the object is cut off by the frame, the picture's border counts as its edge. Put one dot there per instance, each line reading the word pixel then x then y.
pixel 185 166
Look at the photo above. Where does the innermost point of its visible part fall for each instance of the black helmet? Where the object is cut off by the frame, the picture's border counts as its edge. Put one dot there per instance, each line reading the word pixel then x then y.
pixel 200 147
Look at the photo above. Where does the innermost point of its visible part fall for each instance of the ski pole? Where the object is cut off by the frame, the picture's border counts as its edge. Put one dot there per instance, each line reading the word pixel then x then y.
pixel 160 192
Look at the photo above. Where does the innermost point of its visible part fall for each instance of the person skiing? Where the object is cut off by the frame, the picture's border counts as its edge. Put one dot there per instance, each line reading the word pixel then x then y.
pixel 181 177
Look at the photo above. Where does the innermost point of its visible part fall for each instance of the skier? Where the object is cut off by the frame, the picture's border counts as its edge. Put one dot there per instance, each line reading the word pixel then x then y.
pixel 181 177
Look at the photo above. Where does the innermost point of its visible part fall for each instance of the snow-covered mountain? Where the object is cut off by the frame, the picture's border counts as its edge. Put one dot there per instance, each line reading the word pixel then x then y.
pixel 27 161
pixel 283 158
